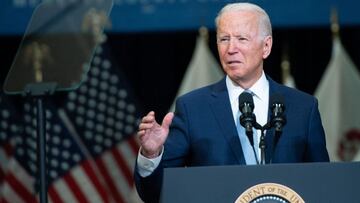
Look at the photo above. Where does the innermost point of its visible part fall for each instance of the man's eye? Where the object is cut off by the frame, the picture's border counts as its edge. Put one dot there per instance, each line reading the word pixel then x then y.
pixel 223 39
pixel 242 39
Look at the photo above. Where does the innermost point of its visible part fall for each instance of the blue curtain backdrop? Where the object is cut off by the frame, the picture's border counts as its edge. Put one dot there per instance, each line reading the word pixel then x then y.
pixel 165 15
pixel 153 40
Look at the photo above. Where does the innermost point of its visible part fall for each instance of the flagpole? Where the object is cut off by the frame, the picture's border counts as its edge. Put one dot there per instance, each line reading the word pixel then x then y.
pixel 334 20
pixel 285 64
pixel 41 144
pixel 204 33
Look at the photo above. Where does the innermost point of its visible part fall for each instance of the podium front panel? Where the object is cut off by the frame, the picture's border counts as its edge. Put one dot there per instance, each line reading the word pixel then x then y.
pixel 314 182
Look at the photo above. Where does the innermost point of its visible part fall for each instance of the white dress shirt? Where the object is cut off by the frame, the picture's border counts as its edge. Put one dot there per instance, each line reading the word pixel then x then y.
pixel 261 100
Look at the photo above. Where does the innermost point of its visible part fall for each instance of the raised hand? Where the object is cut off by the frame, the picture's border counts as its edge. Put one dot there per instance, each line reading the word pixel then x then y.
pixel 152 135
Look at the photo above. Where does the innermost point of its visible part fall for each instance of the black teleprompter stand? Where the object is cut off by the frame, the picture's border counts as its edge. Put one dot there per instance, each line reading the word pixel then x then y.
pixel 39 92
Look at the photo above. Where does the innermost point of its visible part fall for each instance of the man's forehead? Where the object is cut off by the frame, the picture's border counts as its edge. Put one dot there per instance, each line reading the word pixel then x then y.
pixel 237 26
pixel 238 18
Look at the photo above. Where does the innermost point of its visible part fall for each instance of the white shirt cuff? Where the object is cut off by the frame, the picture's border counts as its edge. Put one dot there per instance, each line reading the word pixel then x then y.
pixel 146 166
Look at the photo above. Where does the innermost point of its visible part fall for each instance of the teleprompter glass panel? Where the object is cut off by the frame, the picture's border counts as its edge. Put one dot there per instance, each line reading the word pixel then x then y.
pixel 59 44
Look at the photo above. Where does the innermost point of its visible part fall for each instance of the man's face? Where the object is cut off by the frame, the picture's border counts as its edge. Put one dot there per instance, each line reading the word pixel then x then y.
pixel 241 46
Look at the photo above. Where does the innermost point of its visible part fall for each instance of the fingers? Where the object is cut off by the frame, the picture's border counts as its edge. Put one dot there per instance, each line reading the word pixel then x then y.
pixel 141 133
pixel 167 120
pixel 147 121
pixel 151 135
pixel 144 126
pixel 150 117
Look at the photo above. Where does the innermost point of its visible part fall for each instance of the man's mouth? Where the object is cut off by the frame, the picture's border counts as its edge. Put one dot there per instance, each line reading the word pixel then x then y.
pixel 233 62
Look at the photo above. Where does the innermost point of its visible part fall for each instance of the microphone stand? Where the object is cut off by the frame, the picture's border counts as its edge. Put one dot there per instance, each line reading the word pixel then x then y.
pixel 262 144
pixel 262 147
pixel 256 158
pixel 275 141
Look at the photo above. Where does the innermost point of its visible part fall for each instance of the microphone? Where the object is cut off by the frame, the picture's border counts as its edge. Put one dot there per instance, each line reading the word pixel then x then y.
pixel 247 118
pixel 278 119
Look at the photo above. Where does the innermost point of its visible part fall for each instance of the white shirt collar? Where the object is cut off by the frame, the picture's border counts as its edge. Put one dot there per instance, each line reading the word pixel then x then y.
pixel 260 88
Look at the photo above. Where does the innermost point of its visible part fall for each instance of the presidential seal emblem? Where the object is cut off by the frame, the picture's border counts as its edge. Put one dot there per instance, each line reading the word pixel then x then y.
pixel 269 193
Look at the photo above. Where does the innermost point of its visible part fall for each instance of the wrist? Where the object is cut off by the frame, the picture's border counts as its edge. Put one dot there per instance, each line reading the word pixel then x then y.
pixel 150 155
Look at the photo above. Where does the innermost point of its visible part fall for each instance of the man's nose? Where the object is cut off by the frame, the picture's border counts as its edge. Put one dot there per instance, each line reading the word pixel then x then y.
pixel 233 47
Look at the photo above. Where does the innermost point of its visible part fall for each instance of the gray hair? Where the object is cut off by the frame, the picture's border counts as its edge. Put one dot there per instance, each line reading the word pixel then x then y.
pixel 264 20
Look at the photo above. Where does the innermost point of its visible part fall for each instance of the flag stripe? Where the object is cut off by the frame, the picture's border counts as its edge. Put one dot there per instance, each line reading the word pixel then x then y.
pixel 109 181
pixel 55 198
pixel 22 191
pixel 2 175
pixel 5 154
pixel 87 186
pixel 96 182
pixel 133 144
pixel 121 163
pixel 126 150
pixel 61 187
pixel 7 149
pixel 116 174
pixel 16 170
pixel 49 199
pixel 10 194
pixel 75 188
pixel 2 200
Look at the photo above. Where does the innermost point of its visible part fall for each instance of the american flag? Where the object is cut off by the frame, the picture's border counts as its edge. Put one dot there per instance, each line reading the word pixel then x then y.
pixel 8 135
pixel 91 147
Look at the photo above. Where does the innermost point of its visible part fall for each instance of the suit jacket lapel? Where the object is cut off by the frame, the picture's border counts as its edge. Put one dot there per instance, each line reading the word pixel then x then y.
pixel 221 107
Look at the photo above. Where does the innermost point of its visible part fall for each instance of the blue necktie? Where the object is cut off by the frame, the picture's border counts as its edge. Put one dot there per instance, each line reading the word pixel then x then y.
pixel 245 143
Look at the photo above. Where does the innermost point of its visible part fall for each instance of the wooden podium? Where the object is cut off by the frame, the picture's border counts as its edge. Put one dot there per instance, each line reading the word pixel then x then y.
pixel 312 182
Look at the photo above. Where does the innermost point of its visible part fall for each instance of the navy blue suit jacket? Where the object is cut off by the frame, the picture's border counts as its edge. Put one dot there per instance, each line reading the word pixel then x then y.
pixel 203 133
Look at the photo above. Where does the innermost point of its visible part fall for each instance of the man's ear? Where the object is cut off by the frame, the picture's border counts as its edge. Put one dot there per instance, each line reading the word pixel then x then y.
pixel 267 46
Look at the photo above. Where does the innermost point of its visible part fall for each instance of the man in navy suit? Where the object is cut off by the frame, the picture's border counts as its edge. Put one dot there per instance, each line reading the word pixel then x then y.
pixel 205 127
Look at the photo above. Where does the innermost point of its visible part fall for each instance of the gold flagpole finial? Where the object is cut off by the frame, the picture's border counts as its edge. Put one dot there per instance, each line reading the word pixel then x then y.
pixel 334 19
pixel 204 33
pixel 285 63
pixel 37 55
pixel 94 21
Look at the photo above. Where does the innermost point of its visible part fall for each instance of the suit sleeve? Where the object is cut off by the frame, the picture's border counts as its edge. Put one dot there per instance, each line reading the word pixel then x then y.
pixel 316 145
pixel 175 153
